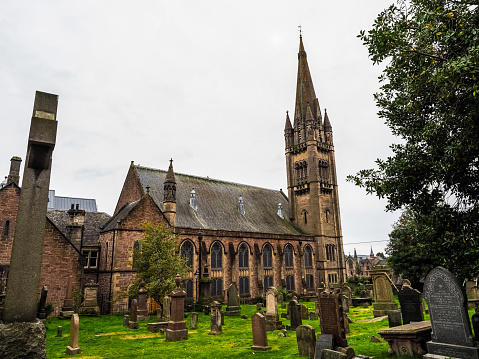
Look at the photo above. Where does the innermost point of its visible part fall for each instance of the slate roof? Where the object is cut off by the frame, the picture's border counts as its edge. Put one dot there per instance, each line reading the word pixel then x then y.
pixel 57 202
pixel 217 204
pixel 122 213
pixel 93 224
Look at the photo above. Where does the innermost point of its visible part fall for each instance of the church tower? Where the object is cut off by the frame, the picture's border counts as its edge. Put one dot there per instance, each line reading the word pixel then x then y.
pixel 311 174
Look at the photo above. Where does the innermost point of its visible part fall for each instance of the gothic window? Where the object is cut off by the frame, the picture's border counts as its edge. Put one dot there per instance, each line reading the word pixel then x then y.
pixel 288 256
pixel 327 215
pixel 268 282
pixel 217 287
pixel 6 229
pixel 330 252
pixel 193 203
pixel 301 170
pixel 188 287
pixel 187 253
pixel 267 257
pixel 244 285
pixel 308 257
pixel 91 258
pixel 289 282
pixel 333 277
pixel 216 257
pixel 309 281
pixel 243 256
pixel 305 214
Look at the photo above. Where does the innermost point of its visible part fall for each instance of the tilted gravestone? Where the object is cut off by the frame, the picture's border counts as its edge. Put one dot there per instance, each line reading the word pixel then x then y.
pixel 411 305
pixel 73 347
pixel 233 306
pixel 451 329
pixel 332 317
pixel 306 339
pixel 323 341
pixel 260 340
pixel 383 293
pixel 271 316
pixel 294 315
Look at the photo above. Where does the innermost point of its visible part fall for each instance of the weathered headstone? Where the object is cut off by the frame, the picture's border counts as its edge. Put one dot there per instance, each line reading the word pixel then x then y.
pixel 394 318
pixel 233 306
pixel 177 326
pixel 346 323
pixel 332 318
pixel 126 319
pixel 90 301
pixel 59 331
pixel 206 310
pixel 194 320
pixel 313 316
pixel 304 312
pixel 306 339
pixel 332 354
pixel 475 292
pixel 346 290
pixel 142 303
pixel 158 327
pixel 345 303
pixel 383 293
pixel 260 340
pixel 411 305
pixel 166 310
pixel 159 314
pixel 133 322
pixel 294 315
pixel 41 314
pixel 259 306
pixel 216 327
pixel 451 329
pixel 323 341
pixel 67 309
pixel 271 316
pixel 316 307
pixel 222 314
pixel 73 347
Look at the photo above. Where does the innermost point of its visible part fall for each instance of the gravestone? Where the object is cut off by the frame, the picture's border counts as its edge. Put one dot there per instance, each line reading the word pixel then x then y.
pixel 233 306
pixel 194 320
pixel 475 325
pixel 294 315
pixel 259 306
pixel 313 316
pixel 133 322
pixel 411 305
pixel 67 309
pixel 126 319
pixel 346 291
pixel 474 292
pixel 306 339
pixel 451 329
pixel 159 314
pixel 73 348
pixel 206 310
pixel 216 327
pixel 332 316
pixel 260 340
pixel 142 303
pixel 272 318
pixel 177 326
pixel 323 341
pixel 222 314
pixel 59 331
pixel 166 310
pixel 304 312
pixel 316 307
pixel 41 314
pixel 158 327
pixel 332 354
pixel 90 301
pixel 394 318
pixel 383 292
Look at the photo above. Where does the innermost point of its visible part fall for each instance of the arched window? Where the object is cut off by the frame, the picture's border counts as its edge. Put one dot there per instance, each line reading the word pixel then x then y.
pixel 308 257
pixel 243 256
pixel 288 256
pixel 267 257
pixel 216 256
pixel 187 253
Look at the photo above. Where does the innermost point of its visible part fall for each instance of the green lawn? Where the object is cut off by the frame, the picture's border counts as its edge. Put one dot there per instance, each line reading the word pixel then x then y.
pixel 106 337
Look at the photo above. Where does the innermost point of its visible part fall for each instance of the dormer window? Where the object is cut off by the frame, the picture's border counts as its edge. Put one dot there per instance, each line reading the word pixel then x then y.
pixel 241 205
pixel 280 210
pixel 193 203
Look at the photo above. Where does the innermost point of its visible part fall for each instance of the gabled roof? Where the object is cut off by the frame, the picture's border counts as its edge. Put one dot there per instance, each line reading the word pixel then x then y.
pixel 217 204
pixel 119 216
pixel 91 231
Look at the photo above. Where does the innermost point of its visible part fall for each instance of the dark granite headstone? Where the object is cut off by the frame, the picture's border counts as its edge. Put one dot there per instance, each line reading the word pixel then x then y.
pixel 323 341
pixel 294 314
pixel 306 339
pixel 411 305
pixel 451 329
pixel 332 318
pixel 41 314
pixel 260 340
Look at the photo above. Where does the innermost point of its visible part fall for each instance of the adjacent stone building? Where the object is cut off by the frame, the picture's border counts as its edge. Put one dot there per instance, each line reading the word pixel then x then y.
pixel 242 234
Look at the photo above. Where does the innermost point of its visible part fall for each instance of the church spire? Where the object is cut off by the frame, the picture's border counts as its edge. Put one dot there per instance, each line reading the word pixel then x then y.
pixel 169 195
pixel 304 87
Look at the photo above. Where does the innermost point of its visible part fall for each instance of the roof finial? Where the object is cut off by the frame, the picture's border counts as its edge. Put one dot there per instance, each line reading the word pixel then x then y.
pixel 300 30
pixel 171 161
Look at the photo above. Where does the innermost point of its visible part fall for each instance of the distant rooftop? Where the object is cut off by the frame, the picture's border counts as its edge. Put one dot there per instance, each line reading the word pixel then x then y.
pixel 57 202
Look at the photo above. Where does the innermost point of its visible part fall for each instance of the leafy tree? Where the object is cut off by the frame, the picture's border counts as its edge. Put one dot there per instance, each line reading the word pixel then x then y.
pixel 157 261
pixel 380 254
pixel 429 99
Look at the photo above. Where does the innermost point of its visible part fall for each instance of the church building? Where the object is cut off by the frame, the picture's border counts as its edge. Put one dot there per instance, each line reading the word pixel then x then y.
pixel 251 236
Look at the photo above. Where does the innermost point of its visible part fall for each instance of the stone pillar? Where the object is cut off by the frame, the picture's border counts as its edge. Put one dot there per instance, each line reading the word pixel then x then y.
pixel 177 325
pixel 142 305
pixel 26 259
pixel 67 309
pixel 73 347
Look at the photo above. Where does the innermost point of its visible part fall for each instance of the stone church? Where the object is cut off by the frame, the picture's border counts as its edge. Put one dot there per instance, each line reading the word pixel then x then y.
pixel 251 236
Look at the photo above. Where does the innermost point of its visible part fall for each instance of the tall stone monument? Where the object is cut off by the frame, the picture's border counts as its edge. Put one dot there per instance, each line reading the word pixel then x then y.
pixel 451 329
pixel 383 292
pixel 26 259
pixel 177 325
pixel 142 303
pixel 67 309
pixel 73 348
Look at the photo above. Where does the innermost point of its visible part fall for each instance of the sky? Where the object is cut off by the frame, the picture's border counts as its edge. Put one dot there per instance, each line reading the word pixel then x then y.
pixel 207 83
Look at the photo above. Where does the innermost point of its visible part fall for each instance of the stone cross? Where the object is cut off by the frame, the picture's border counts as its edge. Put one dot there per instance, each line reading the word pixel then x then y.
pixel 260 340
pixel 306 339
pixel 73 348
pixel 26 259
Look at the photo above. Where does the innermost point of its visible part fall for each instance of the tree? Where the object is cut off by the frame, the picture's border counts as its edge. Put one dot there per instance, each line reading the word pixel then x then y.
pixel 429 99
pixel 157 261
pixel 380 255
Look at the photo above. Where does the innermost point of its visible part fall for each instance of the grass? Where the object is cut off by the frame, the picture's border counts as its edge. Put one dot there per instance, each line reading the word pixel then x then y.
pixel 105 337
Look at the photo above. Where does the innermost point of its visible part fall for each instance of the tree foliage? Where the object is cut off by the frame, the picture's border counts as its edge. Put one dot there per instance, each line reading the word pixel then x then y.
pixel 429 100
pixel 157 261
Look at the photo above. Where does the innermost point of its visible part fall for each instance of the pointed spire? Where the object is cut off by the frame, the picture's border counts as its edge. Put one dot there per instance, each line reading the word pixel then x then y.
pixel 317 111
pixel 169 187
pixel 170 176
pixel 327 124
pixel 309 114
pixel 304 86
pixel 371 255
pixel 288 123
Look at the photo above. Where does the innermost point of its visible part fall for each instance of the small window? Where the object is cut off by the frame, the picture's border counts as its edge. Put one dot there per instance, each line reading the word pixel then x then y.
pixel 193 202
pixel 6 228
pixel 267 257
pixel 187 253
pixel 244 285
pixel 241 205
pixel 288 256
pixel 290 282
pixel 91 258
pixel 308 257
pixel 216 257
pixel 217 287
pixel 243 256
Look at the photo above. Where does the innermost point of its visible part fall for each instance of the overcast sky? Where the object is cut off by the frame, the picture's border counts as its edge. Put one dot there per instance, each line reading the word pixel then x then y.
pixel 207 83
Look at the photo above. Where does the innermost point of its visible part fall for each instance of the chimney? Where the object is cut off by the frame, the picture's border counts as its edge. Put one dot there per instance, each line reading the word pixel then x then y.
pixel 14 175
pixel 76 219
